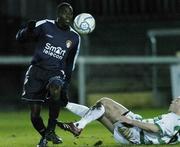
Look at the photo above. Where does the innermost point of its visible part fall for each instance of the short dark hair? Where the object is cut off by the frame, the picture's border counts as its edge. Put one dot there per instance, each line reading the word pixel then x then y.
pixel 63 4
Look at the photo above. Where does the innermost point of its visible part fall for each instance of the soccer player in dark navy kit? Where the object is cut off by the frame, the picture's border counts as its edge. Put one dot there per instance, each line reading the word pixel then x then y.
pixel 47 79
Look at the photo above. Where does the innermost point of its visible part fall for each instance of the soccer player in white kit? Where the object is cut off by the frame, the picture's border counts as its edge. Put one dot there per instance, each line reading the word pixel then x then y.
pixel 127 127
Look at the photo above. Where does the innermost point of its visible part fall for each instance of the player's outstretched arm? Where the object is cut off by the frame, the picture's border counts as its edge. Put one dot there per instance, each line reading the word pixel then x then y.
pixel 145 126
pixel 27 32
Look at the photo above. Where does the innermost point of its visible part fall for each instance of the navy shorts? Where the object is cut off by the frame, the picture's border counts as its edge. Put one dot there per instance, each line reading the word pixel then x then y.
pixel 36 82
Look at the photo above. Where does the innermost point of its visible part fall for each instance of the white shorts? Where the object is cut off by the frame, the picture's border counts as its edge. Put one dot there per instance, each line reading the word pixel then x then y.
pixel 134 132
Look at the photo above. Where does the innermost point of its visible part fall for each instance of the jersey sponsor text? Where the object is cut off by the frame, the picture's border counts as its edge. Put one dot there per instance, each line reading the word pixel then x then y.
pixel 56 52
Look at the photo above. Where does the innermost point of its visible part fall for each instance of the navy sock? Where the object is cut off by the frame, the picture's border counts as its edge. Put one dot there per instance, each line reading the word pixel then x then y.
pixel 38 125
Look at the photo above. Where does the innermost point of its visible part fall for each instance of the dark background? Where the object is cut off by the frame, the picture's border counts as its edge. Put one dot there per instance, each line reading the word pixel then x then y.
pixel 121 29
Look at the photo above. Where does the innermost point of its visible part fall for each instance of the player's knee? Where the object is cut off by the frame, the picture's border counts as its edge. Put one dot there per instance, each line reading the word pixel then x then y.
pixel 55 91
pixel 55 85
pixel 104 101
pixel 107 103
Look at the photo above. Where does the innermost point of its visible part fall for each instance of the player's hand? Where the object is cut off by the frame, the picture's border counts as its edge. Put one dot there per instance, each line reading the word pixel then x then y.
pixel 126 132
pixel 31 25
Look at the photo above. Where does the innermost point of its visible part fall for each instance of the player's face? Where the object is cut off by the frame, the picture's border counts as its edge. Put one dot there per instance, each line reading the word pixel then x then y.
pixel 65 16
pixel 175 105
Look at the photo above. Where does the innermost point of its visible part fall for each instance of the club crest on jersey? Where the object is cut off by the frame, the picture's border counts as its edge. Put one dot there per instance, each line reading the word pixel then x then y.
pixel 68 43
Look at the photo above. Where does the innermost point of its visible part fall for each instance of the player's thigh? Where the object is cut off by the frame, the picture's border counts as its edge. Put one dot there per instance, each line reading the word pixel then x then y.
pixel 33 79
pixel 112 108
pixel 34 87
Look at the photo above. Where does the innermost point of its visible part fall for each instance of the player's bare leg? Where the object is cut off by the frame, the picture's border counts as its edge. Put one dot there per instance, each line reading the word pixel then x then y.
pixel 81 110
pixel 107 123
pixel 93 113
pixel 105 110
pixel 113 110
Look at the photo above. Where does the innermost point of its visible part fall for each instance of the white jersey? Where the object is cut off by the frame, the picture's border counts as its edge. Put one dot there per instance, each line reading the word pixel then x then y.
pixel 169 125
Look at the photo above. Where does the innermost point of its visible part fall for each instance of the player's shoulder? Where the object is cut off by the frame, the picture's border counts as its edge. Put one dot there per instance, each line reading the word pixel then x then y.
pixel 44 21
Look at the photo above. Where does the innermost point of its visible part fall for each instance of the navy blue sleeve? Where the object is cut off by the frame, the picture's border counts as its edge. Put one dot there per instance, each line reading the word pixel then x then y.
pixel 21 35
pixel 25 34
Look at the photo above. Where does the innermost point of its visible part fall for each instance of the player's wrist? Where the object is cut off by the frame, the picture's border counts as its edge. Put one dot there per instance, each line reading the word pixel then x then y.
pixel 130 122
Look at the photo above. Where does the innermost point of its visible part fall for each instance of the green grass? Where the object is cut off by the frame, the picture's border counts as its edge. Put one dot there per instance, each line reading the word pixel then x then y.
pixel 16 131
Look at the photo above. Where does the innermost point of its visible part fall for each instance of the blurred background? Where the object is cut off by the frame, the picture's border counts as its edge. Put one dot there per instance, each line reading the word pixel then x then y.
pixel 132 55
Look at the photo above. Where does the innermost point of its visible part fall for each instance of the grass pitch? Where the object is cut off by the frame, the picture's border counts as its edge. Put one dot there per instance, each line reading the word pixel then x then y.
pixel 16 131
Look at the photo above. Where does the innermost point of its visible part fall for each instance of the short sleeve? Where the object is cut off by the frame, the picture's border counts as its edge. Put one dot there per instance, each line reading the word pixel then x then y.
pixel 166 124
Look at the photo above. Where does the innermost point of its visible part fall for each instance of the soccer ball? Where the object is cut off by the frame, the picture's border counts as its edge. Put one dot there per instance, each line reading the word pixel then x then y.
pixel 84 23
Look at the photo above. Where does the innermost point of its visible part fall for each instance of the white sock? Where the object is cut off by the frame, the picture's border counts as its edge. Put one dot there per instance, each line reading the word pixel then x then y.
pixel 77 109
pixel 93 114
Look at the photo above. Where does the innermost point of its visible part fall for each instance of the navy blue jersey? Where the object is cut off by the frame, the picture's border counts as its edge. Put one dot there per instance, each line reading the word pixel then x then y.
pixel 55 49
